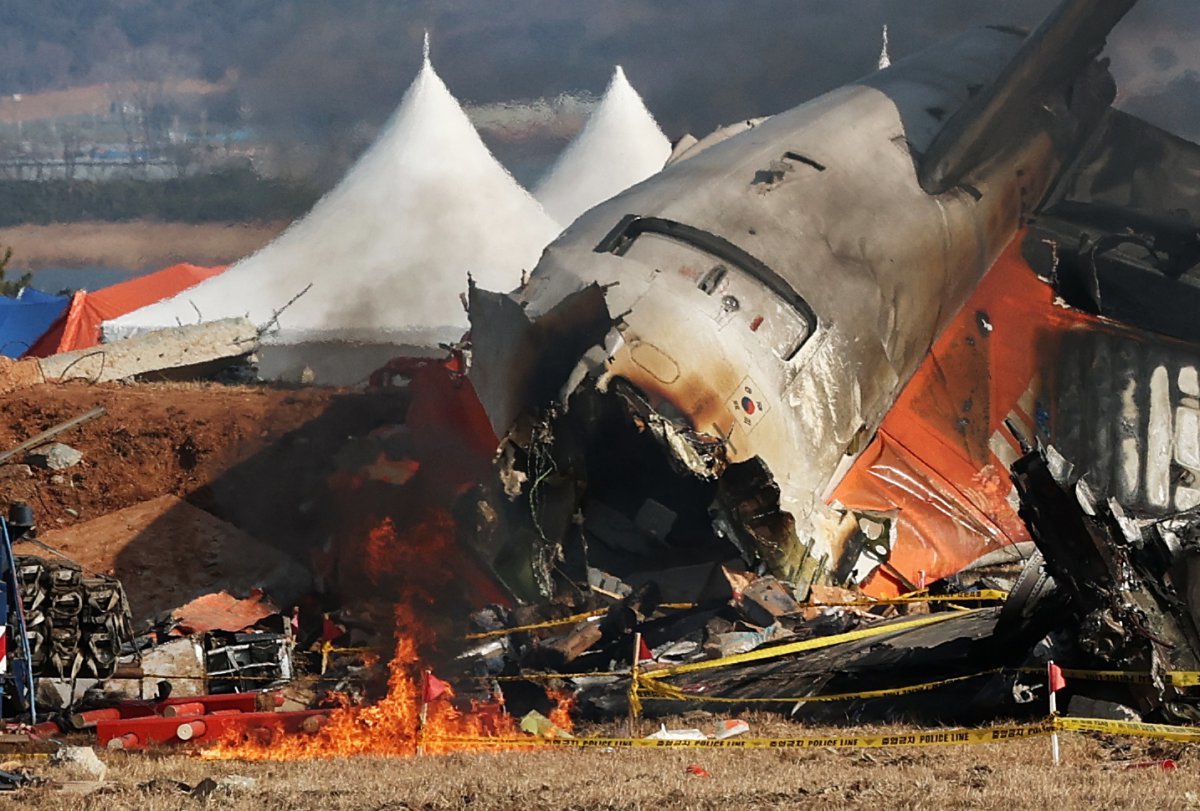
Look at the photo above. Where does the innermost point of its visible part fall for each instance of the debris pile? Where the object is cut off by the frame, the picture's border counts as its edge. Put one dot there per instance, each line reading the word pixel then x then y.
pixel 732 445
pixel 74 621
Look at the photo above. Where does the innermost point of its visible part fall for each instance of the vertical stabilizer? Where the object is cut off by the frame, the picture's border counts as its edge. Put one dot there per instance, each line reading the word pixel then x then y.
pixel 1051 57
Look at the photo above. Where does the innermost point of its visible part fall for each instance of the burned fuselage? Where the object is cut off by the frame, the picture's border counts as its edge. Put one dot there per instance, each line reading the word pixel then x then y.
pixel 693 363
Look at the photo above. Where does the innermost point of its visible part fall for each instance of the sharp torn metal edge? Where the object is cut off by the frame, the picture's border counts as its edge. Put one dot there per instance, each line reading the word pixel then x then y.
pixel 680 382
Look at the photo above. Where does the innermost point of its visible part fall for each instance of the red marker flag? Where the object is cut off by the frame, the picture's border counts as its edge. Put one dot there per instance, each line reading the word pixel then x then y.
pixel 435 687
pixel 330 630
pixel 1057 681
pixel 644 651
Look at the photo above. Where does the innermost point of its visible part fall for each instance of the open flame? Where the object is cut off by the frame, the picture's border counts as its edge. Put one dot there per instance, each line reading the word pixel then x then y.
pixel 393 727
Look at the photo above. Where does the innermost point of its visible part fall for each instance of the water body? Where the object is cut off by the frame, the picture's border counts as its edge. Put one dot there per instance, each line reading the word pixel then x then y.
pixel 93 277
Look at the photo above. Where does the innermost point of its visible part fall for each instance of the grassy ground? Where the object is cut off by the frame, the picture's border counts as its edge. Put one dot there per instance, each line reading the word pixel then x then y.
pixel 1014 775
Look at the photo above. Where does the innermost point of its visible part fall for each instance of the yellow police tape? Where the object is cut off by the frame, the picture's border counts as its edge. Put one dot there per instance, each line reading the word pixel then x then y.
pixel 666 692
pixel 929 737
pixel 1137 729
pixel 554 676
pixel 798 647
pixel 650 683
pixel 650 680
pixel 763 653
pixel 983 595
pixel 660 691
pixel 932 737
pixel 571 620
pixel 1178 678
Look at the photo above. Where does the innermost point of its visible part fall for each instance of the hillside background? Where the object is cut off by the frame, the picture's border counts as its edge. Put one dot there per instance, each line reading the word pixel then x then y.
pixel 291 91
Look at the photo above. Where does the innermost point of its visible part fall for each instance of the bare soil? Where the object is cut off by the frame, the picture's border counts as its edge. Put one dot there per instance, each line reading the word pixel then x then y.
pixel 260 456
pixel 1015 775
pixel 155 439
pixel 136 245
pixel 257 456
pixel 167 552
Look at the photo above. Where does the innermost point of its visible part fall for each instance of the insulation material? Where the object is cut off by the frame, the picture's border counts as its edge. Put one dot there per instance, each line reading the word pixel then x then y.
pixel 620 145
pixel 388 251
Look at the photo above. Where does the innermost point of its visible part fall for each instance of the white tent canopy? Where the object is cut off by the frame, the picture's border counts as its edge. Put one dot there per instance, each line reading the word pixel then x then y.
pixel 620 145
pixel 388 250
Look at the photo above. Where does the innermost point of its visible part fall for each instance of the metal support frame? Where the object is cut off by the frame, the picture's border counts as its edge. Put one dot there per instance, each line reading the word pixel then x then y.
pixel 19 673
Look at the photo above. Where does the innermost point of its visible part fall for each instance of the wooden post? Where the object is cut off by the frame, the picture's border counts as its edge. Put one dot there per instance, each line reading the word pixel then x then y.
pixel 423 714
pixel 635 704
pixel 1054 751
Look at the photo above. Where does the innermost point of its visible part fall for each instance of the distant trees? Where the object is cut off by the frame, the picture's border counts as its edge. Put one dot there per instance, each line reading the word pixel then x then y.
pixel 230 195
pixel 50 44
pixel 10 288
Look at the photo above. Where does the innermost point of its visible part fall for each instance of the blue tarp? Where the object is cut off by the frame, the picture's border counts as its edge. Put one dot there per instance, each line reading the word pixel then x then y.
pixel 25 318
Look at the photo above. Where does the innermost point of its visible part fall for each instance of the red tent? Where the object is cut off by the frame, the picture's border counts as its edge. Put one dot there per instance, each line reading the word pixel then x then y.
pixel 79 326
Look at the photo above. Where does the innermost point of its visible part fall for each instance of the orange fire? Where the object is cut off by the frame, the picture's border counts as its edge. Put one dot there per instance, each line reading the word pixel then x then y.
pixel 393 726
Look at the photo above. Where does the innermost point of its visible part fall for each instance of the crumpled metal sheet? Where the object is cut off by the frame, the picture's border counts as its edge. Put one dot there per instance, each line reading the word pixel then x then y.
pixel 221 611
pixel 717 277
pixel 1112 399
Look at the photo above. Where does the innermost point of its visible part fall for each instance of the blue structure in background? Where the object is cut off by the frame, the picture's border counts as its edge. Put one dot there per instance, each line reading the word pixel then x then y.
pixel 16 677
pixel 26 318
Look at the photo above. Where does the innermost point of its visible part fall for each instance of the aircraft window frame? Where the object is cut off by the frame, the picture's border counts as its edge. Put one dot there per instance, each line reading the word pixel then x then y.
pixel 631 226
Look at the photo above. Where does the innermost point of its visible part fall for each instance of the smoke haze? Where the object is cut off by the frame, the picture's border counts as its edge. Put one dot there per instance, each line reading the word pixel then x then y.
pixel 619 146
pixel 326 75
pixel 698 64
pixel 389 249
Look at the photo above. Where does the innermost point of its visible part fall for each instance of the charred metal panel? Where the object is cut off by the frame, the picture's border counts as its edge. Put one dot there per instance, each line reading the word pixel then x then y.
pixel 1127 580
pixel 535 358
pixel 1126 415
pixel 1133 167
pixel 1120 235
pixel 1053 68
pixel 772 293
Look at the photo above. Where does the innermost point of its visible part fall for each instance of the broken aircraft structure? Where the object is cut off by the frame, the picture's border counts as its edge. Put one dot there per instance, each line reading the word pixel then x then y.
pixel 814 349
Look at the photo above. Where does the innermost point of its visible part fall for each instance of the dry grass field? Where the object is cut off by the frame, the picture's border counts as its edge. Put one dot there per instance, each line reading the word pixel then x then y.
pixel 1017 775
pixel 138 244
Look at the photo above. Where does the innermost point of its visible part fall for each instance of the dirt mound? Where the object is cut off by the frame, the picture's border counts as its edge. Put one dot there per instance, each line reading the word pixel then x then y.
pixel 18 374
pixel 256 456
pixel 182 552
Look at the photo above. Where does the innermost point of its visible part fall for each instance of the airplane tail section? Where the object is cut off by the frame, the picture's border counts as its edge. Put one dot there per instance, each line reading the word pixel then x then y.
pixel 1053 59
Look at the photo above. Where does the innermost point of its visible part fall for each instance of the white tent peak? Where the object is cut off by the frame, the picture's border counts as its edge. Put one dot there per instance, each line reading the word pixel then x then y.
pixel 619 146
pixel 425 50
pixel 388 249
